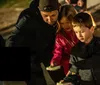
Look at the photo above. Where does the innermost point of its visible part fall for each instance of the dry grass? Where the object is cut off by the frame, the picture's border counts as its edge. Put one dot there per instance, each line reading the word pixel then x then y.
pixel 15 3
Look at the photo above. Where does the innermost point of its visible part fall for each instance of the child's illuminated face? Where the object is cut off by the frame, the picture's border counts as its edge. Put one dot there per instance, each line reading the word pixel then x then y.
pixel 83 33
pixel 65 24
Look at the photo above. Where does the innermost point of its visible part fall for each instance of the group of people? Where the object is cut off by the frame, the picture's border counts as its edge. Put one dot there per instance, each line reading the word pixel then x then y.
pixel 58 35
pixel 79 5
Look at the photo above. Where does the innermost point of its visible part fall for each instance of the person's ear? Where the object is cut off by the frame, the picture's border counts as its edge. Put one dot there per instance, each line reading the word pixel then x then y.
pixel 92 29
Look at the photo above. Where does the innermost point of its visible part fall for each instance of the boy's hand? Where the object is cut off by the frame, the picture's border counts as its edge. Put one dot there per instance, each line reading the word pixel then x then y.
pixel 61 81
pixel 73 73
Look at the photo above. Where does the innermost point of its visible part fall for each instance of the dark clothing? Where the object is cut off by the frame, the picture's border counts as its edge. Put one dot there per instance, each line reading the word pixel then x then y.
pixel 85 60
pixel 34 4
pixel 31 31
pixel 2 42
pixel 57 75
pixel 29 11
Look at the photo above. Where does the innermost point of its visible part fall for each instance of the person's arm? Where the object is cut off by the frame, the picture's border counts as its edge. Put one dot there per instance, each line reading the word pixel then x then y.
pixel 57 53
pixel 89 63
pixel 16 36
pixel 73 68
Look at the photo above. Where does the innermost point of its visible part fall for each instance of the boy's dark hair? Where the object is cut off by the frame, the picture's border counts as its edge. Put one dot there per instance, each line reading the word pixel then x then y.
pixel 82 19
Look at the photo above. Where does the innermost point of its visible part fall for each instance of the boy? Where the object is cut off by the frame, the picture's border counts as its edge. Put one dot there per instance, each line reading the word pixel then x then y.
pixel 85 55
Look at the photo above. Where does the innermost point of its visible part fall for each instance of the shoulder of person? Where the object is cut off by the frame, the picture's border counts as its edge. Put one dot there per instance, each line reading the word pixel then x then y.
pixel 96 46
pixel 97 42
pixel 26 16
pixel 28 12
pixel 77 48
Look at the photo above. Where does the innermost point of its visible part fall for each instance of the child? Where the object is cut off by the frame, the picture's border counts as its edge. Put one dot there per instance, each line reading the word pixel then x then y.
pixel 65 39
pixel 85 55
pixel 81 5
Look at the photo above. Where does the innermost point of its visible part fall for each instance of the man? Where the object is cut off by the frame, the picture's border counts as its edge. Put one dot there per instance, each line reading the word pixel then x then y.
pixel 36 30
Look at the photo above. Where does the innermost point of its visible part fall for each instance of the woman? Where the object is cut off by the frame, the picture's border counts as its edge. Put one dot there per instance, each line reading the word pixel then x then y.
pixel 65 39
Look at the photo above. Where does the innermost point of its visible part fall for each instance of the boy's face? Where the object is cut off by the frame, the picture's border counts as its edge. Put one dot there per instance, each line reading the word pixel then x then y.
pixel 83 33
pixel 50 17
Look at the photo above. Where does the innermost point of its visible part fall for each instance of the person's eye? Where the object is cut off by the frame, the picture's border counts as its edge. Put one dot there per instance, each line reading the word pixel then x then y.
pixel 68 22
pixel 45 15
pixel 61 23
pixel 76 32
pixel 82 31
pixel 53 15
pixel 74 25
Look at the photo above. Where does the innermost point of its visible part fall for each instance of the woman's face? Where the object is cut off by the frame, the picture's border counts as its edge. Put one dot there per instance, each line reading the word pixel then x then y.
pixel 65 24
pixel 80 3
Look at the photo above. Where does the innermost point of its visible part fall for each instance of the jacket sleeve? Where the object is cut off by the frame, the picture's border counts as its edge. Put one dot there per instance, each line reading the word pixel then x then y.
pixel 57 52
pixel 72 61
pixel 16 36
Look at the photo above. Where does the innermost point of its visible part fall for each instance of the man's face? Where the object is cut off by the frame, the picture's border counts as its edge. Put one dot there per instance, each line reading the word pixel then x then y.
pixel 83 33
pixel 50 17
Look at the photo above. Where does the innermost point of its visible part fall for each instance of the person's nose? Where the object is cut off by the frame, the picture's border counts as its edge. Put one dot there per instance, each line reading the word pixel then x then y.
pixel 49 19
pixel 79 34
